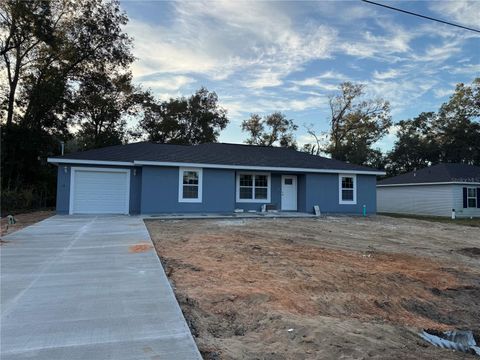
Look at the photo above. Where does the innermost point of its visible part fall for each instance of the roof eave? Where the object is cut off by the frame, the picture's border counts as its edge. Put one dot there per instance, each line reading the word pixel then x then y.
pixel 212 166
pixel 432 183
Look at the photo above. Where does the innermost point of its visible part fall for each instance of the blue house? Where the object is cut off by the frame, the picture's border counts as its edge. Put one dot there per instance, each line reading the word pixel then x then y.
pixel 152 178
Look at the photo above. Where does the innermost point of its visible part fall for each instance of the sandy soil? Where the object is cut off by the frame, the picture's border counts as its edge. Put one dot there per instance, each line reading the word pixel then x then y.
pixel 330 288
pixel 24 220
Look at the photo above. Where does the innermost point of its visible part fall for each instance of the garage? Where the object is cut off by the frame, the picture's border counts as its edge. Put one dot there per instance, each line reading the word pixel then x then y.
pixel 99 191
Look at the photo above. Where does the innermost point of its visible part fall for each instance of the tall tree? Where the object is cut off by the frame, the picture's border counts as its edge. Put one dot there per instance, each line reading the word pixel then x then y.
pixel 47 46
pixel 457 125
pixel 272 130
pixel 450 135
pixel 356 124
pixel 415 147
pixel 101 106
pixel 194 120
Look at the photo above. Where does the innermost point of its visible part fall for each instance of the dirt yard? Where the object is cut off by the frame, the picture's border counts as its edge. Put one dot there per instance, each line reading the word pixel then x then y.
pixel 330 288
pixel 24 220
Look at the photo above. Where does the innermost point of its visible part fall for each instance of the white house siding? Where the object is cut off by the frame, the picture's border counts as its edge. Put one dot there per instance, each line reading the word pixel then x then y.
pixel 434 200
pixel 458 202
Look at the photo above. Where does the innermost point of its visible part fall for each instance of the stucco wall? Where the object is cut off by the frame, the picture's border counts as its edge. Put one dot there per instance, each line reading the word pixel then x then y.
pixel 323 190
pixel 160 191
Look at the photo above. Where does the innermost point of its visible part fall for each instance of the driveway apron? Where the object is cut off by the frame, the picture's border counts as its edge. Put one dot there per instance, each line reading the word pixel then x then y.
pixel 88 287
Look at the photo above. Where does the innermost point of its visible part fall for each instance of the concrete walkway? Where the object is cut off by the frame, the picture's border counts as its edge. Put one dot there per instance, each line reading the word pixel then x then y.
pixel 73 287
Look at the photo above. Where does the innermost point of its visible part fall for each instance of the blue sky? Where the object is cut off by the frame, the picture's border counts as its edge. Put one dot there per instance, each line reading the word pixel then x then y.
pixel 260 57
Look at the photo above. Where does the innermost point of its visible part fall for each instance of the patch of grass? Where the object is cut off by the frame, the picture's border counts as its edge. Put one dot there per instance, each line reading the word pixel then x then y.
pixel 474 222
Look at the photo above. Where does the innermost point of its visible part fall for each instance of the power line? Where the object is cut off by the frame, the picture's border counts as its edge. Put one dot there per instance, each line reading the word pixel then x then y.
pixel 422 16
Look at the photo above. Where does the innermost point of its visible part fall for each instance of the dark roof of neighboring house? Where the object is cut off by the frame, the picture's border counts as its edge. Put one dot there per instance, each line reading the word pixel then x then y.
pixel 437 173
pixel 214 153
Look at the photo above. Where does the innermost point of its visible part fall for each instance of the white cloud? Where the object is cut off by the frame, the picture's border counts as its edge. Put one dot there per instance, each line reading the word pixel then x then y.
pixel 166 83
pixel 390 74
pixel 460 11
pixel 441 92
pixel 256 39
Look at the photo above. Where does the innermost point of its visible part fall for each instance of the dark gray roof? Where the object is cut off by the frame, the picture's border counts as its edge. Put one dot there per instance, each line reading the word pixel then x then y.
pixel 437 173
pixel 214 153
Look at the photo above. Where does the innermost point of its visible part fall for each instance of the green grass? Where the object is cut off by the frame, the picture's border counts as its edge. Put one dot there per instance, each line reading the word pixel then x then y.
pixel 475 222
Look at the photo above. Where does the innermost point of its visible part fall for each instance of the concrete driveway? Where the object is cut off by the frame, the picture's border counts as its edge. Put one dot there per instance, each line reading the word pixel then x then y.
pixel 86 287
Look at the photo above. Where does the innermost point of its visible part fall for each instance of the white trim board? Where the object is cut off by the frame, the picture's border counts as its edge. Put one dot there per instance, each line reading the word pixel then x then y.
pixel 213 166
pixel 181 199
pixel 94 169
pixel 433 183
pixel 347 202
pixel 89 162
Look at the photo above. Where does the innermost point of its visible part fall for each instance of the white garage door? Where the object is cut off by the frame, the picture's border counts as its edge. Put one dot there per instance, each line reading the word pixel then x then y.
pixel 99 191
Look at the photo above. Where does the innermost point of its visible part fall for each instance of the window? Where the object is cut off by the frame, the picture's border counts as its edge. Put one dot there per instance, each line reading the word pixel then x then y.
pixel 288 181
pixel 472 197
pixel 347 188
pixel 253 187
pixel 190 185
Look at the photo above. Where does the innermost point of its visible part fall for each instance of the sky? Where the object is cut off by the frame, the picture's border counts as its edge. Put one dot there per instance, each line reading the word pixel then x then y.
pixel 261 57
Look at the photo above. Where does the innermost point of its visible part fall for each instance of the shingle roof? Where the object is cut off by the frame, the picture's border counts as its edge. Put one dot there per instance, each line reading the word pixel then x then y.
pixel 214 153
pixel 437 173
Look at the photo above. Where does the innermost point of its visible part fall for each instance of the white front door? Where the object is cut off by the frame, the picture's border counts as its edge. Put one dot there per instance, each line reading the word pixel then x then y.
pixel 289 192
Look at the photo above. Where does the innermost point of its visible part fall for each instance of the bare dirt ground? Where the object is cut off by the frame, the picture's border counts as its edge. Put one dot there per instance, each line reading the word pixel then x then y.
pixel 24 220
pixel 330 288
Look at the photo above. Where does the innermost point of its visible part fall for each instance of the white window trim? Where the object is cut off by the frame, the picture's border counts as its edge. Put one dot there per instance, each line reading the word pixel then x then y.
pixel 73 170
pixel 269 188
pixel 180 185
pixel 347 202
pixel 472 197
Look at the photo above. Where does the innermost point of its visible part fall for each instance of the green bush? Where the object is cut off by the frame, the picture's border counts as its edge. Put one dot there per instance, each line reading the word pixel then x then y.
pixel 21 200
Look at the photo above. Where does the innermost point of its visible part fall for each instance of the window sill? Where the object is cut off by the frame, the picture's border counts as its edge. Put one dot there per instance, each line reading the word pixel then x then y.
pixel 254 201
pixel 189 200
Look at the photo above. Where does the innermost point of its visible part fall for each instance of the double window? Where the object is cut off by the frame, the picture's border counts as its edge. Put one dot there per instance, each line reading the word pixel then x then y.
pixel 472 197
pixel 347 188
pixel 190 185
pixel 253 187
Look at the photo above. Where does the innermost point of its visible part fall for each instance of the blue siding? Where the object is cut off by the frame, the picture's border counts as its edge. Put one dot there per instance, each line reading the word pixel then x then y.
pixel 63 187
pixel 322 190
pixel 160 191
pixel 154 190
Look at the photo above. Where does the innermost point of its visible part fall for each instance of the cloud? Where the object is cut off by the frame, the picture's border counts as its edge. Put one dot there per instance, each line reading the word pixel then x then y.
pixel 440 93
pixel 166 83
pixel 462 12
pixel 390 74
pixel 256 40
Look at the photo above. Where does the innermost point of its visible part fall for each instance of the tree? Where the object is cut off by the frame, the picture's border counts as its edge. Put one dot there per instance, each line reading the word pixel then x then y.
pixel 356 124
pixel 450 135
pixel 47 47
pixel 273 130
pixel 415 147
pixel 101 106
pixel 457 125
pixel 194 120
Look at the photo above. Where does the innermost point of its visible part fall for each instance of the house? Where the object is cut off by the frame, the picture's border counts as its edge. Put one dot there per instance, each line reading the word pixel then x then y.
pixel 435 190
pixel 152 178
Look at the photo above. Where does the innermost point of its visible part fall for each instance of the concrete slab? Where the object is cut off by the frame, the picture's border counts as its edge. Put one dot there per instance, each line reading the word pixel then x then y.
pixel 72 288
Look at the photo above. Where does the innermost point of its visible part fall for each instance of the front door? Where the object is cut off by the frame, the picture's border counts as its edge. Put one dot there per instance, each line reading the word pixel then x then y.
pixel 289 192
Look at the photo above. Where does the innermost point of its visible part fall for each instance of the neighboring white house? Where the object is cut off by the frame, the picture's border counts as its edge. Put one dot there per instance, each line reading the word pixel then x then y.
pixel 435 190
